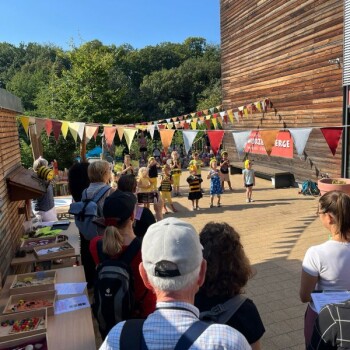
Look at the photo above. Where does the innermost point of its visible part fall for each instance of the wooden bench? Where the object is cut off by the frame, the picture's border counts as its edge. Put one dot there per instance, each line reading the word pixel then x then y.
pixel 279 178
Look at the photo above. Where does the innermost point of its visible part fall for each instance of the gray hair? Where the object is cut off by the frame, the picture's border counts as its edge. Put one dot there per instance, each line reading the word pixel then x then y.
pixel 38 163
pixel 172 284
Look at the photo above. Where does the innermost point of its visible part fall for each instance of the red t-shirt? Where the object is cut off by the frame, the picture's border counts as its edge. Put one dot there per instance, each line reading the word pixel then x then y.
pixel 143 296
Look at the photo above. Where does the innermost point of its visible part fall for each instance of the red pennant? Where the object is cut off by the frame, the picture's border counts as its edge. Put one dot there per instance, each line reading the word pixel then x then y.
pixel 225 118
pixel 208 124
pixel 48 127
pixel 186 126
pixel 161 126
pixel 181 117
pixel 56 127
pixel 199 113
pixel 215 139
pixel 332 136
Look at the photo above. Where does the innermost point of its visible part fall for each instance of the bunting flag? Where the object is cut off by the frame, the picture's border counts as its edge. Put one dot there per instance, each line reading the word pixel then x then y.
pixel 174 119
pixel 258 106
pixel 129 135
pixel 109 133
pixel 215 139
pixel 300 137
pixel 91 131
pixel 240 138
pixel 186 125
pixel 166 136
pixel 56 128
pixel 245 111
pixel 230 115
pixel 215 123
pixel 219 119
pixel 150 129
pixel 189 136
pixel 170 126
pixel 269 138
pixel 81 128
pixel 208 124
pixel 120 130
pixel 39 126
pixel 194 125
pixel 48 127
pixel 236 116
pixel 161 126
pixel 73 128
pixel 64 128
pixel 25 122
pixel 332 136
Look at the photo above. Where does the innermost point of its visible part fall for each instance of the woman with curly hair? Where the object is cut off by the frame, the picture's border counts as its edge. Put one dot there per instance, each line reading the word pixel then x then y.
pixel 228 271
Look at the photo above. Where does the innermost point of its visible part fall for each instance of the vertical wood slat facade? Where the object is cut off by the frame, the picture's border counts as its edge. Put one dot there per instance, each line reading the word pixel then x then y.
pixel 282 50
pixel 11 222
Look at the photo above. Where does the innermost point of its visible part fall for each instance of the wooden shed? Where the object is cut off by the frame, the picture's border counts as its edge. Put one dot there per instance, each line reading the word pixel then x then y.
pixel 290 52
pixel 11 211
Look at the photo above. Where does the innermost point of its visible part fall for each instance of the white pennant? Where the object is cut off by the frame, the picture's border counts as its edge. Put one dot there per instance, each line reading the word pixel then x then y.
pixel 236 116
pixel 222 114
pixel 150 129
pixel 300 137
pixel 189 136
pixel 241 138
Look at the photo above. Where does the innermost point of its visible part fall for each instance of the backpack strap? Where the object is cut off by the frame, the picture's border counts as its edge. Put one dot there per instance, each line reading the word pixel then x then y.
pixel 99 247
pixel 131 335
pixel 191 335
pixel 221 313
pixel 131 251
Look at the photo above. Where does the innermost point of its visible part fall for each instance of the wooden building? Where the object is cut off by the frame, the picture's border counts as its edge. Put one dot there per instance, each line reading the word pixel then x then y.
pixel 11 217
pixel 290 52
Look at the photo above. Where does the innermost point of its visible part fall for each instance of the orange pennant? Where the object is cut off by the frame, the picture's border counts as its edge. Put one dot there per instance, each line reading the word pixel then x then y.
pixel 166 136
pixel 269 138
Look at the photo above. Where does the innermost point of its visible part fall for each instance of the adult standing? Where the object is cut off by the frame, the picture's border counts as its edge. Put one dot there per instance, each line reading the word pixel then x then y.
pixel 326 266
pixel 173 266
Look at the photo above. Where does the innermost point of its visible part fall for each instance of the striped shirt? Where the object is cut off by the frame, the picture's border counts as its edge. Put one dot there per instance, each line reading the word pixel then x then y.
pixel 194 183
pixel 164 327
pixel 165 185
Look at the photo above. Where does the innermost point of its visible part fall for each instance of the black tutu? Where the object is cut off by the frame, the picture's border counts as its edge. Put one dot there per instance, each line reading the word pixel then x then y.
pixel 195 195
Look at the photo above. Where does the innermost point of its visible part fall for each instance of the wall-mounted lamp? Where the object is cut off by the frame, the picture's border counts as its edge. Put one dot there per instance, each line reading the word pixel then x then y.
pixel 336 61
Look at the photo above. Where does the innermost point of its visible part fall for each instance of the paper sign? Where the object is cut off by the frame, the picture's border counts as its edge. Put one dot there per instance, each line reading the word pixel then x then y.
pixel 71 304
pixel 329 297
pixel 70 288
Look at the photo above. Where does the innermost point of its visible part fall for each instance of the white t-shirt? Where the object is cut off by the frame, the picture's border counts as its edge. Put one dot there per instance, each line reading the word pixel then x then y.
pixel 330 261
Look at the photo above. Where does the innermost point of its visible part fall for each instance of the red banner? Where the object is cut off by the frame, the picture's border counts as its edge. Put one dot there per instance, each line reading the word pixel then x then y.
pixel 283 145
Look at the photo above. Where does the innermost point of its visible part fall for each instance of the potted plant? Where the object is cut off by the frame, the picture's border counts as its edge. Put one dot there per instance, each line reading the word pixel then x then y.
pixel 334 184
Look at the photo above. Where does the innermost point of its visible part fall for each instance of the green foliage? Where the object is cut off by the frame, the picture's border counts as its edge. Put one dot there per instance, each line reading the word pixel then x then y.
pixel 26 154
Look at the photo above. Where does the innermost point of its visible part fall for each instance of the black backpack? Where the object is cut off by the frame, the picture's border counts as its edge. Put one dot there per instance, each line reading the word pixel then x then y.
pixel 114 288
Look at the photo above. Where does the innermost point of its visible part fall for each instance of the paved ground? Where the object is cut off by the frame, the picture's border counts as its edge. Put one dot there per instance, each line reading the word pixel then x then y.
pixel 276 229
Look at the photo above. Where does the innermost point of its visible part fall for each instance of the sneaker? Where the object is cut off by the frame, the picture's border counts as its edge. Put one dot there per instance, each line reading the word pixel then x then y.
pixel 211 206
pixel 250 200
pixel 193 208
pixel 247 200
pixel 198 208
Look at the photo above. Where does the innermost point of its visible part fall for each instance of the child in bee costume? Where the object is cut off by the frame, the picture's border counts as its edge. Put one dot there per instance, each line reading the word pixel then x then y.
pixel 194 182
pixel 165 188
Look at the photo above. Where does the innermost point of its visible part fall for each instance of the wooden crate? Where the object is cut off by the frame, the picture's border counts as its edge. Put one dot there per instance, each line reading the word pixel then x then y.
pixel 47 296
pixel 33 282
pixel 53 251
pixel 21 343
pixel 29 244
pixel 5 331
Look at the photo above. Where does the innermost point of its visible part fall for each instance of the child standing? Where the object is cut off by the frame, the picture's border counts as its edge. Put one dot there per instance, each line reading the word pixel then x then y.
pixel 196 162
pixel 194 182
pixel 127 168
pixel 143 182
pixel 224 170
pixel 248 180
pixel 165 188
pixel 175 167
pixel 153 172
pixel 215 182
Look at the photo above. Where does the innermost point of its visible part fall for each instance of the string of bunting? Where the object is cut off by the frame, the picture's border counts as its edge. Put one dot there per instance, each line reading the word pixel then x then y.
pixel 246 141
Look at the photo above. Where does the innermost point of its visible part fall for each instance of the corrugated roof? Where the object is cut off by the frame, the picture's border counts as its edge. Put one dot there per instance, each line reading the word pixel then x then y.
pixel 10 102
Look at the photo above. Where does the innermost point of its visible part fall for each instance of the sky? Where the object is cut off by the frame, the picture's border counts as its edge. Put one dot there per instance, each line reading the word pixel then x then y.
pixel 136 22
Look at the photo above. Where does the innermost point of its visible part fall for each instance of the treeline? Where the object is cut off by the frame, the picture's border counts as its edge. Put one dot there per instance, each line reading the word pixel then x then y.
pixel 109 84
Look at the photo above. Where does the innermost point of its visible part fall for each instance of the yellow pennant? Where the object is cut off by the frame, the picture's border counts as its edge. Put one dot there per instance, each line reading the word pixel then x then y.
pixel 64 128
pixel 215 122
pixel 194 125
pixel 129 136
pixel 25 123
pixel 230 115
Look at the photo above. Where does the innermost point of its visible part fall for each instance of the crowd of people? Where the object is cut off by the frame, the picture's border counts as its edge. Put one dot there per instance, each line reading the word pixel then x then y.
pixel 180 277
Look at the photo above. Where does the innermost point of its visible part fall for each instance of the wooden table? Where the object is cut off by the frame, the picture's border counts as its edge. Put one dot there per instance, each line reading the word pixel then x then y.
pixel 71 330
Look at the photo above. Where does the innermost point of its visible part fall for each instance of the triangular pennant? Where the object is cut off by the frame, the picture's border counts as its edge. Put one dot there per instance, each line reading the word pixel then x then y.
pixel 170 125
pixel 168 120
pixel 193 125
pixel 230 115
pixel 219 119
pixel 258 106
pixel 300 137
pixel 161 126
pixel 48 127
pixel 205 111
pixel 211 110
pixel 269 137
pixel 189 136
pixel 64 128
pixel 181 117
pixel 129 136
pixel 202 119
pixel 56 127
pixel 245 111
pixel 120 130
pixel 178 125
pixel 109 133
pixel 195 120
pixel 166 137
pixel 186 125
pixel 236 115
pixel 193 114
pixel 208 124
pixel 332 136
pixel 81 128
pixel 174 119
pixel 240 138
pixel 39 125
pixel 91 131
pixel 215 122
pixel 150 129
pixel 215 139
pixel 25 123
pixel 73 128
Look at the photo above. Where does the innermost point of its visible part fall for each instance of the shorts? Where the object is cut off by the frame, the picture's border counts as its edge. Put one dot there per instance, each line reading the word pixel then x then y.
pixel 166 196
pixel 225 177
pixel 248 185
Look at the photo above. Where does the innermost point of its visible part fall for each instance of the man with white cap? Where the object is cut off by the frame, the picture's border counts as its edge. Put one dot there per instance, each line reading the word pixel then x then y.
pixel 173 266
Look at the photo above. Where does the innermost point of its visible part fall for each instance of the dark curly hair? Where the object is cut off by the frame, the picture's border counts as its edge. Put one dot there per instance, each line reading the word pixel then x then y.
pixel 228 268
